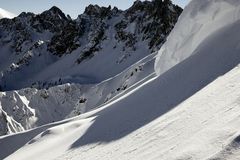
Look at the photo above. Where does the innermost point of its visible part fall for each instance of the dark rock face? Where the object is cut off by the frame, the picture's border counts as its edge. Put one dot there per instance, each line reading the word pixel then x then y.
pixel 22 29
pixel 99 12
pixel 66 40
pixel 155 20
pixel 53 20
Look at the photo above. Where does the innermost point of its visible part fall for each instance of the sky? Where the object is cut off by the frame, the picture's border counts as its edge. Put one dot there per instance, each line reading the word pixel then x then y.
pixel 71 7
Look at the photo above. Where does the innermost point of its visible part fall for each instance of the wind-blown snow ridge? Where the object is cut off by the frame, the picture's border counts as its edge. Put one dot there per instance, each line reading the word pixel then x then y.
pixel 6 14
pixel 199 20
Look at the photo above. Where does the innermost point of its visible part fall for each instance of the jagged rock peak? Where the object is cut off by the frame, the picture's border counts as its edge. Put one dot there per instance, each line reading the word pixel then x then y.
pixel 26 14
pixel 141 5
pixel 55 9
pixel 97 11
pixel 55 12
pixel 155 8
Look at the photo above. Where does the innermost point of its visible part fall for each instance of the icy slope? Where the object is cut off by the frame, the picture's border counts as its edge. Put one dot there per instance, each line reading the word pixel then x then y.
pixel 6 14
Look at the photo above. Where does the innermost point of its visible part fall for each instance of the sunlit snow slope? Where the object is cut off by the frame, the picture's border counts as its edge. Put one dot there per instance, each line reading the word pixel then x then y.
pixel 5 14
pixel 190 111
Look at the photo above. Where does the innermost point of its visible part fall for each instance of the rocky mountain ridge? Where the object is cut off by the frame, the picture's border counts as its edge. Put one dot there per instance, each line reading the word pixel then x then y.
pixel 53 35
pixel 53 67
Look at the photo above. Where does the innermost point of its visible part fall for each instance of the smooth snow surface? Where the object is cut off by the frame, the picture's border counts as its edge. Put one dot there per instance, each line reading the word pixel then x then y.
pixel 189 112
pixel 6 14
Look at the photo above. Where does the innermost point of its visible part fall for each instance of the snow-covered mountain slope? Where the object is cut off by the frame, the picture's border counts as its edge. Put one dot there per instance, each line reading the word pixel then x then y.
pixel 51 49
pixel 6 14
pixel 28 108
pixel 205 126
pixel 53 67
pixel 190 111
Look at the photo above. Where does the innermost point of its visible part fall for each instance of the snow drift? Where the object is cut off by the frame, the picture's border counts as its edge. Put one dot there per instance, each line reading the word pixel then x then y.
pixel 181 114
pixel 198 22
